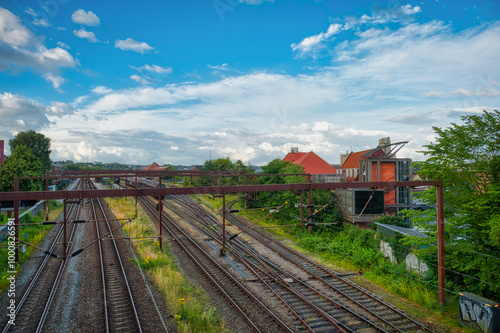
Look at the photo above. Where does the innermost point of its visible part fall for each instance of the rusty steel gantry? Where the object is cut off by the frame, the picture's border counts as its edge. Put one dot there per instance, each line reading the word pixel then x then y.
pixel 216 190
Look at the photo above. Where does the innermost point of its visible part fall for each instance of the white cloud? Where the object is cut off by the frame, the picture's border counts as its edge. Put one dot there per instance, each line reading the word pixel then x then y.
pixel 409 10
pixel 434 94
pixel 56 80
pixel 19 114
pixel 63 45
pixel 101 90
pixel 480 91
pixel 154 68
pixel 223 67
pixel 59 109
pixel 41 22
pixel 132 45
pixel 321 126
pixel 139 79
pixel 19 48
pixel 12 32
pixel 84 34
pixel 85 18
pixel 313 43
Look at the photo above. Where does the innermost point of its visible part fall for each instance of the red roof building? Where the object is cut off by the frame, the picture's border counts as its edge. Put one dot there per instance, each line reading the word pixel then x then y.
pixel 154 167
pixel 350 167
pixel 313 164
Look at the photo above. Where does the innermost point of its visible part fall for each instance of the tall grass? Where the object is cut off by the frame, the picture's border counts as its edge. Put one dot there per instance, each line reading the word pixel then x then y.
pixel 33 234
pixel 188 304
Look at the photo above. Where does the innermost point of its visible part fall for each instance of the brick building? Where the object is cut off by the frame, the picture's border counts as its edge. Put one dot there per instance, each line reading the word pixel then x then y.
pixel 381 164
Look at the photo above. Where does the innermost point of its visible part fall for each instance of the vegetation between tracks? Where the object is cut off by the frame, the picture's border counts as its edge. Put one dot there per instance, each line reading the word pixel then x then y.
pixel 33 234
pixel 188 304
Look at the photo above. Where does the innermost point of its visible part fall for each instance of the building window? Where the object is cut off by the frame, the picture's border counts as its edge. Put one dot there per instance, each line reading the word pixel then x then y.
pixel 404 170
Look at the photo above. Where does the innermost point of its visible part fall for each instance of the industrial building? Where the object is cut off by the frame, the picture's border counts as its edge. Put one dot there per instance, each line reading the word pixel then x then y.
pixel 379 164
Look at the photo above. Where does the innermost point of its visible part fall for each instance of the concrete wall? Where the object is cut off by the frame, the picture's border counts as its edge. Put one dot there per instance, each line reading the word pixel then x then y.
pixel 413 264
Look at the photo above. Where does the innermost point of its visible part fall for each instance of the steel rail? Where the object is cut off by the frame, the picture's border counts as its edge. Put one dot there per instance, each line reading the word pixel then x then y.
pixel 206 220
pixel 123 273
pixel 185 200
pixel 271 269
pixel 60 273
pixel 38 273
pixel 101 265
pixel 215 264
pixel 234 219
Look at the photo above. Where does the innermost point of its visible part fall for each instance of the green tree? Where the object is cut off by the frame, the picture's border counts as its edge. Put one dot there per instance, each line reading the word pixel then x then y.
pixel 289 213
pixel 466 158
pixel 220 164
pixel 39 144
pixel 21 163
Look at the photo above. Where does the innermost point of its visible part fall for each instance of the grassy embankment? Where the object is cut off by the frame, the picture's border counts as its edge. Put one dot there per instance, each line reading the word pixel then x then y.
pixel 349 248
pixel 33 234
pixel 187 303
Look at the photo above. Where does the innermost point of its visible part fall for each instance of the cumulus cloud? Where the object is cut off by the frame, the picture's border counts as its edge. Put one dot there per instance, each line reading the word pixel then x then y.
pixel 59 109
pixel 409 10
pixel 87 18
pixel 84 34
pixel 130 44
pixel 19 113
pixel 321 126
pixel 19 48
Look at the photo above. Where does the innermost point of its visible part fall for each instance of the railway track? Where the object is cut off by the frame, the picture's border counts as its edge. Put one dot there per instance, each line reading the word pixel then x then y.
pixel 301 299
pixel 255 313
pixel 347 293
pixel 33 307
pixel 356 309
pixel 120 311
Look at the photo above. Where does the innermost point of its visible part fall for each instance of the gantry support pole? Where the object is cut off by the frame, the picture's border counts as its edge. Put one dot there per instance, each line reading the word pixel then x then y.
pixel 301 209
pixel 65 222
pixel 160 211
pixel 47 200
pixel 223 224
pixel 309 203
pixel 440 239
pixel 16 222
pixel 136 197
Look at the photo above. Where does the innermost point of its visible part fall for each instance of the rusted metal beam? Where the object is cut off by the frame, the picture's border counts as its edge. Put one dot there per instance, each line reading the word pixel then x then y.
pixel 440 240
pixel 74 194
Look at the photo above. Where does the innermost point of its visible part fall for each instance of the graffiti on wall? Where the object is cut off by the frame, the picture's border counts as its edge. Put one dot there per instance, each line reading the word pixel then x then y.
pixel 476 315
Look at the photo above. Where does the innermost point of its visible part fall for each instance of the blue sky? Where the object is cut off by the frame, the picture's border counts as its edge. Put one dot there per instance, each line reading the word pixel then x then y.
pixel 176 81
